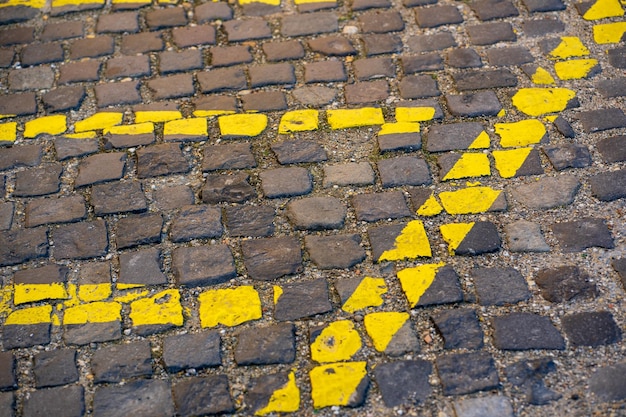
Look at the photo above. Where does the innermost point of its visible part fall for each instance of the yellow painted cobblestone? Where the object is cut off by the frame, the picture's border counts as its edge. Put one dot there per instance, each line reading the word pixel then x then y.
pixel 367 294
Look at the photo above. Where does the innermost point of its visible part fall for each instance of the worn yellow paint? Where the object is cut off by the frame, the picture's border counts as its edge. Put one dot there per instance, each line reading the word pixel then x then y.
pixel 28 293
pixel 469 165
pixel 431 207
pixel 338 341
pixel 542 77
pixel 482 141
pixel 6 295
pixel 8 132
pixel 454 233
pixel 285 399
pixel 336 383
pixel 121 286
pixel 399 127
pixel 229 307
pixel 574 69
pixel 162 308
pixel 156 116
pixel 32 315
pixel 131 1
pixel 94 292
pixel 410 244
pixel 61 3
pixel 296 2
pixel 134 129
pixel 414 114
pixel 299 121
pixel 242 124
pixel 609 32
pixel 270 2
pixel 416 280
pixel 508 162
pixel 602 9
pixel 570 46
pixel 277 293
pixel 382 326
pixel 469 200
pixel 131 296
pixel 72 297
pixel 82 135
pixel 540 101
pixel 551 118
pixel 212 113
pixel 367 294
pixel 192 127
pixel 522 133
pixel 501 113
pixel 37 4
pixel 98 121
pixel 52 125
pixel 98 312
pixel 346 118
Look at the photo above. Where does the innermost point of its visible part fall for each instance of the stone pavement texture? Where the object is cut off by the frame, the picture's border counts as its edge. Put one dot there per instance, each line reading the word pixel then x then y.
pixel 317 207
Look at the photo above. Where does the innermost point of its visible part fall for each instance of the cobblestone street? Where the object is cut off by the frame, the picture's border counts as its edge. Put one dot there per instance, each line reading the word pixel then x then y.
pixel 343 207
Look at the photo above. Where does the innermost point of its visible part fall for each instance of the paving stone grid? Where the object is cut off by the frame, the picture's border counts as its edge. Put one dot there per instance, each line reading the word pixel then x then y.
pixel 370 207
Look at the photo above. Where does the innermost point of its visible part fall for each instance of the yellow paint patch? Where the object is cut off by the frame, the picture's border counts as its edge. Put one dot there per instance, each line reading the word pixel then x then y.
pixel 61 3
pixel 540 101
pixel 6 295
pixel 482 141
pixel 277 293
pixel 134 129
pixel 551 118
pixel 509 162
pixel 574 69
pixel 37 4
pixel 28 293
pixel 469 165
pixel 211 113
pixel 242 124
pixel 94 292
pixel 410 244
pixel 609 32
pixel 33 315
pixel 431 207
pixel 229 307
pixel 98 312
pixel 367 294
pixel 161 308
pixel 8 132
pixel 603 9
pixel 52 125
pixel 313 1
pixel 469 200
pixel 522 133
pixel 82 135
pixel 131 1
pixel 542 77
pixel 299 121
pixel 156 116
pixel 336 383
pixel 501 113
pixel 454 233
pixel 382 326
pixel 98 121
pixel 121 286
pixel 285 399
pixel 346 118
pixel 131 296
pixel 415 281
pixel 338 341
pixel 415 114
pixel 399 127
pixel 570 46
pixel 270 2
pixel 192 127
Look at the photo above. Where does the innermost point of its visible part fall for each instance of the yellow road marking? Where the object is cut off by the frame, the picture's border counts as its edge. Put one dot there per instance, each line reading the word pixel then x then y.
pixel 285 399
pixel 367 294
pixel 410 244
pixel 336 383
pixel 338 341
pixel 382 326
pixel 229 307
pixel 416 280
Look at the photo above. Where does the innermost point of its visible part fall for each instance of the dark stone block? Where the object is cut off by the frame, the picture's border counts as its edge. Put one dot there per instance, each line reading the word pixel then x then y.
pixel 303 299
pixel 434 16
pixel 196 222
pixel 403 170
pixel 129 235
pixel 197 351
pixel 527 375
pixel 465 373
pixel 378 206
pixel 609 382
pixel 407 142
pixel 17 35
pixel 484 103
pixel 493 9
pixel 83 334
pixel 227 188
pixel 81 240
pixel 264 101
pixel 426 62
pixel 62 401
pixel 298 151
pixel 542 27
pixel 247 29
pixel 366 92
pixel 117 362
pixel 118 197
pixel 613 149
pixel 381 44
pixel 55 367
pixel 266 345
pixel 170 198
pixel 223 56
pixel 208 12
pixel 332 46
pixel 22 245
pixel 250 221
pixel 272 74
pixel 38 181
pixel 334 252
pixel 317 213
pixel 203 265
pixel 101 168
pixel 499 286
pixel 445 289
pixel 193 35
pixel 203 395
pixel 43 53
pixel 8 378
pixel 63 98
pixel 324 71
pixel 381 22
pixel 601 120
pixel 404 382
pixel 568 156
pixel 270 258
pixel 617 57
pixel 576 236
pixel 510 56
pixel 161 159
pixel 16 336
pixel 615 87
pixel 526 331
pixel 435 42
pixel 92 47
pixel 173 61
pixel 174 86
pixel 283 50
pixel 544 5
pixel 7 402
pixel 144 397
pixel 17 156
pixel 609 186
pixel 459 328
pixel 127 66
pixel 482 238
pixel 164 18
pixel 591 328
pixel 418 86
pixel 222 79
pixel 20 104
pixel 261 389
pixel 118 22
pixel 463 58
pixel 286 182
pixel 74 72
pixel 141 267
pixel 565 283
pixel 452 136
pixel 483 80
pixel 309 24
